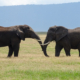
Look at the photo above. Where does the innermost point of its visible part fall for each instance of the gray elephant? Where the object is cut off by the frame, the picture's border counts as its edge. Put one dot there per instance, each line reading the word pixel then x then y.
pixel 64 38
pixel 12 36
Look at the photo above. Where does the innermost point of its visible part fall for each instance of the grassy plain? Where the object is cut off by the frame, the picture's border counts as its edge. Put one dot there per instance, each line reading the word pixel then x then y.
pixel 33 65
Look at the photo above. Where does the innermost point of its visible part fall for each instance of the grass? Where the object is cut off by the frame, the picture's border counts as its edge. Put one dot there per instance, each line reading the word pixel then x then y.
pixel 33 65
pixel 41 75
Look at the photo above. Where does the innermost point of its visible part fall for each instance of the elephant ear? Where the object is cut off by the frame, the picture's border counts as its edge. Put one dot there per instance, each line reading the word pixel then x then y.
pixel 61 32
pixel 20 34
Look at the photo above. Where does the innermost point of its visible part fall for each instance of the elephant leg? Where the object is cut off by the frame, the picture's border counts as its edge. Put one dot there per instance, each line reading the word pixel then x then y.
pixel 67 51
pixel 10 51
pixel 58 48
pixel 16 50
pixel 79 51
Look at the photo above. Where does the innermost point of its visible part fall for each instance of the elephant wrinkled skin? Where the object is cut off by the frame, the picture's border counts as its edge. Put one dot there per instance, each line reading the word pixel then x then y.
pixel 12 36
pixel 64 38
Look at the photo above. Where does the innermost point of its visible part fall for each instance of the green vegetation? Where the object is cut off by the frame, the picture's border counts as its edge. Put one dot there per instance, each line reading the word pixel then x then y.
pixel 33 65
pixel 40 75
pixel 41 33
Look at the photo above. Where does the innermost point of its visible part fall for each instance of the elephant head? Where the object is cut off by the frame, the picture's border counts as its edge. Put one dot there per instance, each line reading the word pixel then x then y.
pixel 25 31
pixel 54 33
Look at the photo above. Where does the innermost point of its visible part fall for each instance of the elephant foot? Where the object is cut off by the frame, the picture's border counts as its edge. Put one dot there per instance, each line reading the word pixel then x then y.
pixel 68 55
pixel 56 55
pixel 15 56
pixel 8 56
pixel 46 55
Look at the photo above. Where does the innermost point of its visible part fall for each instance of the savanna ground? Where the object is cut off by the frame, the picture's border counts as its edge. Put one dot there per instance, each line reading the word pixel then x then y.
pixel 33 65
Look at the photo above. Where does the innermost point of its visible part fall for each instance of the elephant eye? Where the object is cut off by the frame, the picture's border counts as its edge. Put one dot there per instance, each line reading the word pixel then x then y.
pixel 27 27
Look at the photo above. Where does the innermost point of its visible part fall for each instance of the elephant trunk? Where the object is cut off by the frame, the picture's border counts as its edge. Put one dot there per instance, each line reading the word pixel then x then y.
pixel 38 39
pixel 44 50
pixel 45 47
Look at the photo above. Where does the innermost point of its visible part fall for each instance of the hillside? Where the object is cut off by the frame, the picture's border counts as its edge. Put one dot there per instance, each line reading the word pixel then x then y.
pixel 41 17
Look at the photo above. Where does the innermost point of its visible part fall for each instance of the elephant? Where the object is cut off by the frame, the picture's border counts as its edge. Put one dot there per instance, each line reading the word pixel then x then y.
pixel 12 36
pixel 64 38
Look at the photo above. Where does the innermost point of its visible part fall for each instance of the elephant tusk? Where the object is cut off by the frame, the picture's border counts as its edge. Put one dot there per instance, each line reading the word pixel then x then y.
pixel 45 43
